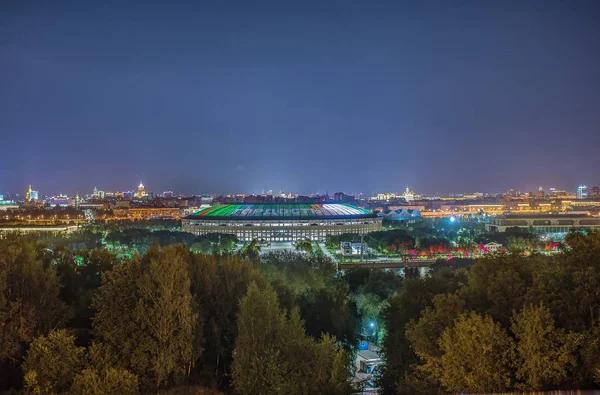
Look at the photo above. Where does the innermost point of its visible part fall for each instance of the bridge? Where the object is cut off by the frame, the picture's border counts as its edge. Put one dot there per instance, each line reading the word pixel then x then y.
pixel 387 264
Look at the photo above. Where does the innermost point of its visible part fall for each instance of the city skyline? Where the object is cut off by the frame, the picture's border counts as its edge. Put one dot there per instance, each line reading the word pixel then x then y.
pixel 134 191
pixel 300 96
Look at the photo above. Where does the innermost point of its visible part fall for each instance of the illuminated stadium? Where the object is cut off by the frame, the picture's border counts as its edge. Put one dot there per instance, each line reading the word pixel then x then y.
pixel 282 222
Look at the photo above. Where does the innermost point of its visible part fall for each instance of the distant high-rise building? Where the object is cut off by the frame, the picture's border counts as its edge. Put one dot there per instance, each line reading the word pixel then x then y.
pixel 31 195
pixel 582 192
pixel 141 191
pixel 1 197
pixel 95 192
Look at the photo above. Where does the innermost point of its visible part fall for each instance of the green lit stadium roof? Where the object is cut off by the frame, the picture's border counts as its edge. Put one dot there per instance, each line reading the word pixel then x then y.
pixel 282 211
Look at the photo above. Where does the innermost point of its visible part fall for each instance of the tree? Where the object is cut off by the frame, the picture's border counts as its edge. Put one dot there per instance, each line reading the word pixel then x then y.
pixel 370 308
pixel 257 364
pixel 545 354
pixel 326 311
pixel 29 302
pixel 424 334
pixel 382 283
pixel 112 382
pixel 569 283
pixel 52 362
pixel 145 320
pixel 164 309
pixel 414 295
pixel 498 285
pixel 251 250
pixel 476 355
pixel 274 355
pixel 304 245
pixel 217 285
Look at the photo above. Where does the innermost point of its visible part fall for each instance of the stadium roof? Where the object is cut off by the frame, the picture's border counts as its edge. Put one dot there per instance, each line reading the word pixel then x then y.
pixel 282 211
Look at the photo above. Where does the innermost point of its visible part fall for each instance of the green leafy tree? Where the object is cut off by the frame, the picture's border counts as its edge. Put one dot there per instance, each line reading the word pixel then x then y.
pixel 476 356
pixel 414 295
pixel 545 354
pixel 251 250
pixel 29 295
pixel 111 382
pixel 570 283
pixel 217 286
pixel 304 245
pixel 145 320
pixel 498 285
pixel 274 355
pixel 327 311
pixel 424 335
pixel 257 364
pixel 370 309
pixel 52 363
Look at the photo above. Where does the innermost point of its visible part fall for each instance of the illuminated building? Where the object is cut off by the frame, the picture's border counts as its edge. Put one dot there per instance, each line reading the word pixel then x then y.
pixel 409 195
pixel 147 212
pixel 60 200
pixel 559 194
pixel 385 196
pixel 282 222
pixel 8 204
pixel 547 223
pixel 61 229
pixel 493 247
pixel 141 191
pixel 31 195
pixel 350 249
pixel 402 214
pixel 582 192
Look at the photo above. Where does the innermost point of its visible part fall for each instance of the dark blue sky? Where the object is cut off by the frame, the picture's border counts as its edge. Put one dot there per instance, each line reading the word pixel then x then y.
pixel 305 96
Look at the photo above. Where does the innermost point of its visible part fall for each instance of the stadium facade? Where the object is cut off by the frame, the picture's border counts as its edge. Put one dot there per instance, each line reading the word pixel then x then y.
pixel 282 222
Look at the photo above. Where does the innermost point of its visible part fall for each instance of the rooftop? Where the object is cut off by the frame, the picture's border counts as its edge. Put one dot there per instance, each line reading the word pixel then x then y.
pixel 282 211
pixel 549 215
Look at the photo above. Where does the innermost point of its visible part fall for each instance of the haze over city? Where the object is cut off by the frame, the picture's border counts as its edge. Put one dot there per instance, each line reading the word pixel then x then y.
pixel 307 97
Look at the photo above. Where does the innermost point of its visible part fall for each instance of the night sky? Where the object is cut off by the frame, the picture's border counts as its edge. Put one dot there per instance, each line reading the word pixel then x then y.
pixel 304 96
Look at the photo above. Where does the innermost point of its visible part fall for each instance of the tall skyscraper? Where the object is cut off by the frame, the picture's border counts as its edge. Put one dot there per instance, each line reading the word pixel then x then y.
pixel 582 192
pixel 31 195
pixel 141 191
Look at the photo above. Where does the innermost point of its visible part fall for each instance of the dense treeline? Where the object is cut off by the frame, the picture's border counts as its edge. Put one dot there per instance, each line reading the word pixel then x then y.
pixel 441 236
pixel 90 322
pixel 184 319
pixel 508 323
pixel 132 240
